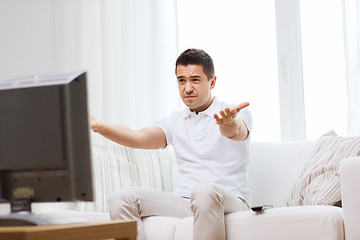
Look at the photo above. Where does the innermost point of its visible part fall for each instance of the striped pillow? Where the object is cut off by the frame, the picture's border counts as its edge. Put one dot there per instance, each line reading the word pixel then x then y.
pixel 116 166
pixel 319 181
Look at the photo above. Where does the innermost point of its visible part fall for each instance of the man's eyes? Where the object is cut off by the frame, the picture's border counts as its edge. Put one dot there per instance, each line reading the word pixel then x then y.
pixel 195 80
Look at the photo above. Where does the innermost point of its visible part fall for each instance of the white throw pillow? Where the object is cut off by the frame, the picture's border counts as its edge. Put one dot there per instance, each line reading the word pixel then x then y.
pixel 319 181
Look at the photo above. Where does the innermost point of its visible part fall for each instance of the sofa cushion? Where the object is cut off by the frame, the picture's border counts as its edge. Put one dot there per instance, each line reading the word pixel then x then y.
pixel 157 227
pixel 295 223
pixel 319 181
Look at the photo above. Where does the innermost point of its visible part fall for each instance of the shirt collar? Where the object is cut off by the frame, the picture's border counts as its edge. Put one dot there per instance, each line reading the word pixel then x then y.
pixel 214 107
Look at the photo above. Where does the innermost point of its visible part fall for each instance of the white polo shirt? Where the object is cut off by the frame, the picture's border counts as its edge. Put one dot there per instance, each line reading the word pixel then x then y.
pixel 203 154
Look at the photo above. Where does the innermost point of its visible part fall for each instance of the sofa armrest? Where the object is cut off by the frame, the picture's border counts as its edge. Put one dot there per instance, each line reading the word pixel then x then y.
pixel 350 191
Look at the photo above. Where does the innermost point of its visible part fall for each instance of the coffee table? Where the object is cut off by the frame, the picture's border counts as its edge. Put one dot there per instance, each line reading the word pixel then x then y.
pixel 120 230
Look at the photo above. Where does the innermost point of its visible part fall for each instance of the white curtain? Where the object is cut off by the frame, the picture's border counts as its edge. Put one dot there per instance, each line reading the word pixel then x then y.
pixel 351 15
pixel 128 48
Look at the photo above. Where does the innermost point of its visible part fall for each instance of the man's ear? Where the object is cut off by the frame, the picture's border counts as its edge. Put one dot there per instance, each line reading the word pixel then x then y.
pixel 212 82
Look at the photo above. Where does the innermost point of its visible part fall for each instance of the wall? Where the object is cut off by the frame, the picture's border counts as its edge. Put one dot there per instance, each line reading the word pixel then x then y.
pixel 27 39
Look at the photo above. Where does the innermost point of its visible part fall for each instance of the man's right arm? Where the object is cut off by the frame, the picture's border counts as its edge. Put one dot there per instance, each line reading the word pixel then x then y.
pixel 146 138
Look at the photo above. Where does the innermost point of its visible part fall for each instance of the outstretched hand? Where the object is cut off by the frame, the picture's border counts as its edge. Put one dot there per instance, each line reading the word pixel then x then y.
pixel 227 115
pixel 94 123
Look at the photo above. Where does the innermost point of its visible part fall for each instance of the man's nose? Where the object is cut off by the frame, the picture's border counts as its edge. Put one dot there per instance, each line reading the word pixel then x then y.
pixel 189 87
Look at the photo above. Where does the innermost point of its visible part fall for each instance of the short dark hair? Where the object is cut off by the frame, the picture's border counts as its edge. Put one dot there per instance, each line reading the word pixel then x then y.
pixel 197 57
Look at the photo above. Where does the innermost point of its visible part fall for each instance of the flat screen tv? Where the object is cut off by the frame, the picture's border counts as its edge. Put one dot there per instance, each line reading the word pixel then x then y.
pixel 44 139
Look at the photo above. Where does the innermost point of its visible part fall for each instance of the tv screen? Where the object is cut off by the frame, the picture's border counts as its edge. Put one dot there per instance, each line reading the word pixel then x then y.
pixel 44 139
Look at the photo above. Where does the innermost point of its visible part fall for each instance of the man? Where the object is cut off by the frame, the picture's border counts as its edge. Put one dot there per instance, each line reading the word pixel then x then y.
pixel 211 144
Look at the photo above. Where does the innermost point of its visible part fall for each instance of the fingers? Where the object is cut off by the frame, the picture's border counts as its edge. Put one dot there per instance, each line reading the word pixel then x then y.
pixel 218 120
pixel 225 115
pixel 241 106
pixel 228 114
pixel 94 123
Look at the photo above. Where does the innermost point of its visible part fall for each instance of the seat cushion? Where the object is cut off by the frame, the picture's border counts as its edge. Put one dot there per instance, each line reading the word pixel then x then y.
pixel 295 223
pixel 160 228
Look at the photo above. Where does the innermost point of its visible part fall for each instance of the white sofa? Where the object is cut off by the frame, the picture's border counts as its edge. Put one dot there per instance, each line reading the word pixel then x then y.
pixel 273 170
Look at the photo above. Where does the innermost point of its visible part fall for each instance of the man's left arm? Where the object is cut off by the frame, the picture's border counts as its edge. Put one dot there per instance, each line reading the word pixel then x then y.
pixel 231 125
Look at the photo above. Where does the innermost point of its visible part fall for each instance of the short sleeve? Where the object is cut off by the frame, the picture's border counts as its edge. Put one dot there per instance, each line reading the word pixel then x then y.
pixel 166 125
pixel 246 116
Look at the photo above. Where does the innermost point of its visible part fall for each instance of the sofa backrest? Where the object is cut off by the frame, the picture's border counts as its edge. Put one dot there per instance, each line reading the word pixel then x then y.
pixel 274 168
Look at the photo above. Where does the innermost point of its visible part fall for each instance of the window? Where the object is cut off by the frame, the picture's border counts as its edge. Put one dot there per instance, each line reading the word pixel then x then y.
pixel 241 38
pixel 323 67
pixel 250 40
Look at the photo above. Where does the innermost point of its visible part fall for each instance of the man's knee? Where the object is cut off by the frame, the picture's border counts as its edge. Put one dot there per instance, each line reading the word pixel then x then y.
pixel 122 195
pixel 122 200
pixel 205 190
pixel 205 195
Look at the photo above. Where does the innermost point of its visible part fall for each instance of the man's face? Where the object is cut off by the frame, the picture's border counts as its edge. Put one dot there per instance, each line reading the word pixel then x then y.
pixel 194 87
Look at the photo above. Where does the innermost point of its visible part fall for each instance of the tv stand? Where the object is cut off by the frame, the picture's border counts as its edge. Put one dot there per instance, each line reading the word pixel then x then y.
pixel 90 231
